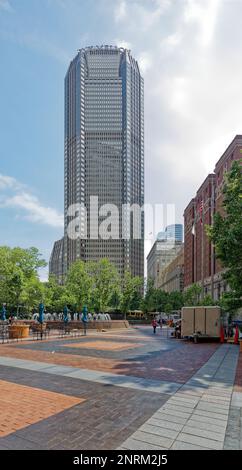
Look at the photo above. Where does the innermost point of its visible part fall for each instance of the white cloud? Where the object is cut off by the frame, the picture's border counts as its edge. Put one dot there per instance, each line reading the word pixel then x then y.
pixel 145 61
pixel 189 53
pixel 120 11
pixel 204 13
pixel 6 6
pixel 9 182
pixel 180 96
pixel 192 89
pixel 36 212
pixel 171 41
pixel 139 14
pixel 122 43
pixel 19 198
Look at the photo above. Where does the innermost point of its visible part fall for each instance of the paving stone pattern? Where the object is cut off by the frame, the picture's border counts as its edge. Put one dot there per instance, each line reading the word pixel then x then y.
pixel 22 405
pixel 126 389
pixel 106 417
pixel 196 416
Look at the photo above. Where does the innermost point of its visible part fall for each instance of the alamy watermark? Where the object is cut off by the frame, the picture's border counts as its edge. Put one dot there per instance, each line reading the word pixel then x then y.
pixel 109 221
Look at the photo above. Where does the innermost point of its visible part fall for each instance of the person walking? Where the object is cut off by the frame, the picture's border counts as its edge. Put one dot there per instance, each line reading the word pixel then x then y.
pixel 154 324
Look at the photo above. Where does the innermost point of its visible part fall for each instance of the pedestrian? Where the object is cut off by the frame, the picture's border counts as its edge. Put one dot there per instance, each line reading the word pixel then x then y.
pixel 154 324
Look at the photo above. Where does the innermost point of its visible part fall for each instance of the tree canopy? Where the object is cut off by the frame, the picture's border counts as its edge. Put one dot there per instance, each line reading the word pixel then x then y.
pixel 95 284
pixel 130 296
pixel 19 281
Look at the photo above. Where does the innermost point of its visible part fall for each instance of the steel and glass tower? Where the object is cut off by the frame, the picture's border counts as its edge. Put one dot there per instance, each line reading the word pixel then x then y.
pixel 104 154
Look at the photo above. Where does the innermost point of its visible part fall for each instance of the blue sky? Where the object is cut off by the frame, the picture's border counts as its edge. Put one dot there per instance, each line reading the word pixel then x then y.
pixel 189 52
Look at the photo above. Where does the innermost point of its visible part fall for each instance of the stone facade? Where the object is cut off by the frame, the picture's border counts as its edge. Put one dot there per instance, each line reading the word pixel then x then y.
pixel 171 279
pixel 160 256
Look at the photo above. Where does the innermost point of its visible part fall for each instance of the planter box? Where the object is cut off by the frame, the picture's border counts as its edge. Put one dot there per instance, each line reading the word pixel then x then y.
pixel 91 325
pixel 18 331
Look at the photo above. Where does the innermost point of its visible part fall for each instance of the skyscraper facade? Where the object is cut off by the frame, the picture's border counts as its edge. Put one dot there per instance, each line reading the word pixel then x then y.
pixel 175 232
pixel 172 232
pixel 104 160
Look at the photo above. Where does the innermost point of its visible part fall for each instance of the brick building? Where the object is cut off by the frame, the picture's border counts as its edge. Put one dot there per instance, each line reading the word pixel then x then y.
pixel 200 263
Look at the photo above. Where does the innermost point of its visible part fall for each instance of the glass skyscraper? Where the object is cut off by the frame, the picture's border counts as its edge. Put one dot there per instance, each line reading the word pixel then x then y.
pixel 104 158
pixel 172 232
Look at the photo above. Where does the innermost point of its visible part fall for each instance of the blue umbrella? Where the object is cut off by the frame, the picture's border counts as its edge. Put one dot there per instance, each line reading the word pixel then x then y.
pixel 84 313
pixel 84 319
pixel 41 313
pixel 65 312
pixel 3 313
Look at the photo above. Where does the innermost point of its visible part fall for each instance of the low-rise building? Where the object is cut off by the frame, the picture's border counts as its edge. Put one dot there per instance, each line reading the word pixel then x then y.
pixel 171 278
pixel 160 256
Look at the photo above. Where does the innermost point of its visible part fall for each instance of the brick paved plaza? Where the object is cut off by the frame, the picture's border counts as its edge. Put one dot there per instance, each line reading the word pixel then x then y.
pixel 125 389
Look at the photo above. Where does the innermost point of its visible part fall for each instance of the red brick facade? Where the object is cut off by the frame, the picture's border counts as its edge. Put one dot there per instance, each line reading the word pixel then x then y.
pixel 189 244
pixel 200 264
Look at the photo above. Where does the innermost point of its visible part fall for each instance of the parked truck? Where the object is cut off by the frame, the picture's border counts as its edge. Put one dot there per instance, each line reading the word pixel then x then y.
pixel 201 323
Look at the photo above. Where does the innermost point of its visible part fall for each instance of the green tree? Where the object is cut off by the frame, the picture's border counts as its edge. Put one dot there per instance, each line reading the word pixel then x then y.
pixel 168 308
pixel 55 295
pixel 106 282
pixel 226 234
pixel 228 302
pixel 192 295
pixel 161 299
pixel 32 294
pixel 136 300
pixel 11 278
pixel 115 299
pixel 177 300
pixel 28 260
pixel 130 292
pixel 155 300
pixel 147 304
pixel 79 285
pixel 207 300
pixel 18 271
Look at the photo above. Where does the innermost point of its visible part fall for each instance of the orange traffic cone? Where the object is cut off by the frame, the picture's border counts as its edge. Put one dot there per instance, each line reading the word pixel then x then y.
pixel 236 336
pixel 221 335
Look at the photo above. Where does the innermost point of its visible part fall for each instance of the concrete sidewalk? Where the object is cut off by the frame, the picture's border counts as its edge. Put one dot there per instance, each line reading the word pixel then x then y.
pixel 199 413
